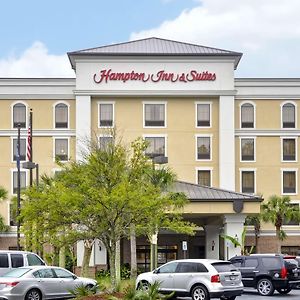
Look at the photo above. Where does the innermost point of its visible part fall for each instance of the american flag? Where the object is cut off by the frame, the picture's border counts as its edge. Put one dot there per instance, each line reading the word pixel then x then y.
pixel 29 144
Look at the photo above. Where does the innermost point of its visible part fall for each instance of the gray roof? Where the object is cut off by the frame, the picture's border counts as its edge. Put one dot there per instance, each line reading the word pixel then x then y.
pixel 196 192
pixel 155 47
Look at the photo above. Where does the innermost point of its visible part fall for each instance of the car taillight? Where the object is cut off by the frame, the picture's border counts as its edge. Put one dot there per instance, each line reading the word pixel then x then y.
pixel 283 273
pixel 215 278
pixel 11 284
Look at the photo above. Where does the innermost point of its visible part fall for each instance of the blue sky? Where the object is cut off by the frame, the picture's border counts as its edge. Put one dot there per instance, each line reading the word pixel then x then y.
pixel 35 35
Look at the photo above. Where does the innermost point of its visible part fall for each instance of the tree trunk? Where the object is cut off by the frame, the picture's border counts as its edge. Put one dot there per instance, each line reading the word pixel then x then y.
pixel 278 240
pixel 118 263
pixel 88 247
pixel 153 251
pixel 133 264
pixel 62 257
pixel 112 263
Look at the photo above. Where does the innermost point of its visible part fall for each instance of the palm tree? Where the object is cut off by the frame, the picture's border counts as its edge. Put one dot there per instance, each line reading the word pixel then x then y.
pixel 256 222
pixel 277 211
pixel 3 193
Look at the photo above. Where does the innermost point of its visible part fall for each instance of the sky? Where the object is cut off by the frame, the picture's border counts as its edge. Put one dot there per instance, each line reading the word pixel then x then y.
pixel 36 34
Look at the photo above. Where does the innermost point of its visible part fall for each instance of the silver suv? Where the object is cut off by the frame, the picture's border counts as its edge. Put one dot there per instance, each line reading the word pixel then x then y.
pixel 201 279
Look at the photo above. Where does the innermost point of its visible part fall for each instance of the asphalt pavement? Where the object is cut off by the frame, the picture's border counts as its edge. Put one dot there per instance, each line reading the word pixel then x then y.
pixel 251 294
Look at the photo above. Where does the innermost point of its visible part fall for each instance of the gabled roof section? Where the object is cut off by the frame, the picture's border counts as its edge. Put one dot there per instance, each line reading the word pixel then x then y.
pixel 154 47
pixel 196 192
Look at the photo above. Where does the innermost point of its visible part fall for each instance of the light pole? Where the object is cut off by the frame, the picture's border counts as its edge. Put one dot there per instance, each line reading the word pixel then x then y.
pixel 18 187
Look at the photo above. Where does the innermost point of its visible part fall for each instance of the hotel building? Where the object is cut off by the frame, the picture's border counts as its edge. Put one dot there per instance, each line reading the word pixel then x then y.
pixel 228 139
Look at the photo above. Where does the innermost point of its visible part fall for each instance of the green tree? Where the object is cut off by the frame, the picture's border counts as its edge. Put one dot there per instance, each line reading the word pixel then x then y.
pixel 277 210
pixel 3 196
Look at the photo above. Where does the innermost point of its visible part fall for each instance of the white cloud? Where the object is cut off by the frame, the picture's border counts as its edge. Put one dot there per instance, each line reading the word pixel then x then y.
pixel 36 62
pixel 267 32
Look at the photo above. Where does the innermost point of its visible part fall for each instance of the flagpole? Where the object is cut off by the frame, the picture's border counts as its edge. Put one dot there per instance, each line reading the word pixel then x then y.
pixel 18 188
pixel 29 146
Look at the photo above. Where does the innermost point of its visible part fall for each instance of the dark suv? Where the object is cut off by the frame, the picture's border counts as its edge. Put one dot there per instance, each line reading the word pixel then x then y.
pixel 268 272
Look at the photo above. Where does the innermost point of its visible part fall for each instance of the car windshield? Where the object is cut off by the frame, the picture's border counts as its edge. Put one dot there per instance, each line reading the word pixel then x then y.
pixel 224 266
pixel 17 272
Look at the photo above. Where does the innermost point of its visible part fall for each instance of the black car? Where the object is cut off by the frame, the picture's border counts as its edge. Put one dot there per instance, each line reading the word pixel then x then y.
pixel 268 272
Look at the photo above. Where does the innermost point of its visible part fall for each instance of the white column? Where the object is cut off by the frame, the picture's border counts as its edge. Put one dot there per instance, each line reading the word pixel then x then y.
pixel 226 143
pixel 212 241
pixel 233 226
pixel 83 125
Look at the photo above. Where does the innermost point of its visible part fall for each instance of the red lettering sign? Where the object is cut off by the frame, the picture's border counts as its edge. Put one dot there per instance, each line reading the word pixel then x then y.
pixel 106 75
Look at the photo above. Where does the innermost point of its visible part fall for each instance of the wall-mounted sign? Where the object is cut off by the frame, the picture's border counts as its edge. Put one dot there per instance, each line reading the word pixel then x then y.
pixel 106 75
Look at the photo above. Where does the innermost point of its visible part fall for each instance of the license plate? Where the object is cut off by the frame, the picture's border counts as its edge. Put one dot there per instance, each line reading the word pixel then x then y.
pixel 296 274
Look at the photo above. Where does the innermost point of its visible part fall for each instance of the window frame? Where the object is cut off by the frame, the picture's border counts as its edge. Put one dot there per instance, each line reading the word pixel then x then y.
pixel 12 148
pixel 61 138
pixel 54 115
pixel 99 136
pixel 296 148
pixel 210 169
pixel 241 179
pixel 254 149
pixel 165 136
pixel 254 115
pixel 12 179
pixel 165 114
pixel 12 114
pixel 296 180
pixel 210 113
pixel 113 113
pixel 210 136
pixel 281 115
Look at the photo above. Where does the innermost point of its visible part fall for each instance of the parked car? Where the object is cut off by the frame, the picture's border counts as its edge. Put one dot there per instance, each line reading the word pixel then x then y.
pixel 10 260
pixel 40 282
pixel 201 279
pixel 268 272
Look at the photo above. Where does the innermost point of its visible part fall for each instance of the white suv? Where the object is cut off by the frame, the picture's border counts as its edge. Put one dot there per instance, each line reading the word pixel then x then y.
pixel 201 279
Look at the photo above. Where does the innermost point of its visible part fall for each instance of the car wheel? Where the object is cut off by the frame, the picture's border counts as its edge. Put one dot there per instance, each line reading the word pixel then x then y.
pixel 144 285
pixel 265 287
pixel 199 292
pixel 284 291
pixel 33 294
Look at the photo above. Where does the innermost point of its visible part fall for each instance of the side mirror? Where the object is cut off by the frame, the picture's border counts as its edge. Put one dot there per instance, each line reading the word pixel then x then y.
pixel 74 277
pixel 156 271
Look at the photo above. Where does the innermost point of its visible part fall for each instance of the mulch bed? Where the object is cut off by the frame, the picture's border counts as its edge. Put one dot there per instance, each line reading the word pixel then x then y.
pixel 104 296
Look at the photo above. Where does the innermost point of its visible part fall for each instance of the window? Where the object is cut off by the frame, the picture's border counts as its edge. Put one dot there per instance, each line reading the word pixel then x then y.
pixel 289 149
pixel 204 177
pixel 44 273
pixel 154 115
pixel 223 266
pixel 33 260
pixel 236 262
pixel 289 182
pixel 247 116
pixel 104 142
pixel 247 149
pixel 61 149
pixel 203 148
pixel 190 267
pixel 271 262
pixel 3 260
pixel 292 221
pixel 22 149
pixel 288 116
pixel 203 115
pixel 248 185
pixel 156 146
pixel 60 273
pixel 251 263
pixel 61 115
pixel 19 115
pixel 106 115
pixel 17 260
pixel 169 268
pixel 22 181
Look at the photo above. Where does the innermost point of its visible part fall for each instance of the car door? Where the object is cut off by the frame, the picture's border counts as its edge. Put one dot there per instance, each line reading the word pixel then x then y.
pixel 67 281
pixel 165 275
pixel 249 270
pixel 48 283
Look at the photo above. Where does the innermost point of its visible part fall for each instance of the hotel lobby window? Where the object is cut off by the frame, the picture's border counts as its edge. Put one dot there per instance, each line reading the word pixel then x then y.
pixel 204 177
pixel 61 149
pixel 289 149
pixel 156 146
pixel 203 148
pixel 289 182
pixel 22 149
pixel 248 185
pixel 15 181
pixel 247 116
pixel 19 115
pixel 247 149
pixel 154 115
pixel 104 142
pixel 61 115
pixel 106 115
pixel 203 115
pixel 288 116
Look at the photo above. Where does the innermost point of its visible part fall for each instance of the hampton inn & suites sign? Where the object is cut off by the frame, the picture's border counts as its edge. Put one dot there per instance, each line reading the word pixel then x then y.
pixel 107 75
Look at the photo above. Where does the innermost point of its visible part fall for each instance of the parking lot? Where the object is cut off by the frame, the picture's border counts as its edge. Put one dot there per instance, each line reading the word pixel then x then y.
pixel 251 294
